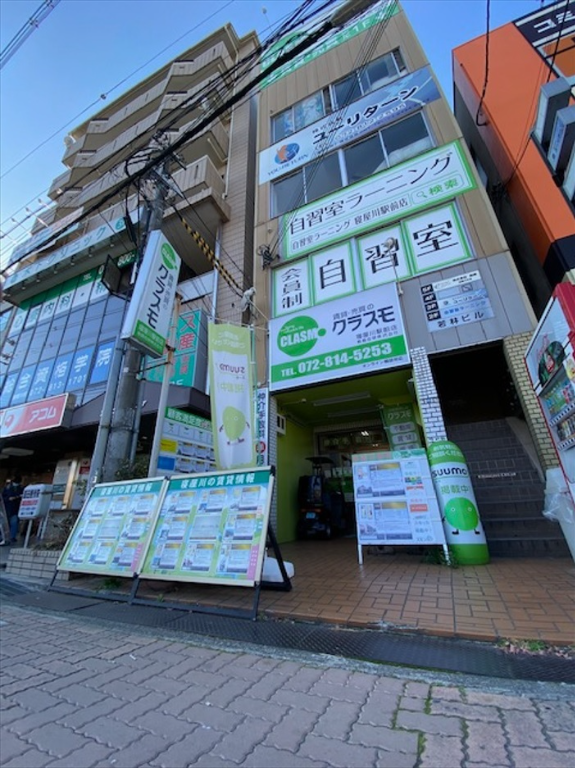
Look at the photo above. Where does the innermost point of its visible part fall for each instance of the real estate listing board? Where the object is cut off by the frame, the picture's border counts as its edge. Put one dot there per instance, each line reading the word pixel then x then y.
pixel 113 528
pixel 212 528
pixel 395 500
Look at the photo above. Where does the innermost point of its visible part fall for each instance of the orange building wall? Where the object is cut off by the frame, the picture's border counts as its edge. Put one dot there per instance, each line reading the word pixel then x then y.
pixel 516 73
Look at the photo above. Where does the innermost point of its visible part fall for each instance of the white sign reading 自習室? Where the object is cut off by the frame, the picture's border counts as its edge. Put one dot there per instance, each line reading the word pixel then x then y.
pixel 429 241
pixel 357 334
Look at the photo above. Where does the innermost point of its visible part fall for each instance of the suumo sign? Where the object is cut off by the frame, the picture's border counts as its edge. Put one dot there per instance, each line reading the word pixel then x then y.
pixel 147 322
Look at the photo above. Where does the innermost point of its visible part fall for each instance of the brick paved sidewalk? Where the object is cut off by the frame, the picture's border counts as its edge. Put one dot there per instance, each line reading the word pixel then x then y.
pixel 78 693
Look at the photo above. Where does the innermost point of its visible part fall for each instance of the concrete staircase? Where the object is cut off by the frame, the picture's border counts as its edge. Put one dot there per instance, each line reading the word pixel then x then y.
pixel 509 491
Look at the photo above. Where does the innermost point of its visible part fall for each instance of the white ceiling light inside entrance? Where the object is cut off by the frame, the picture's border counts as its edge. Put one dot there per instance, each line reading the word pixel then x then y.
pixel 343 399
pixel 355 412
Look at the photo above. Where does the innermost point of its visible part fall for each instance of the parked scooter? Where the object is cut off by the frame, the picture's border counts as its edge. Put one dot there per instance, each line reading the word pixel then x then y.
pixel 320 508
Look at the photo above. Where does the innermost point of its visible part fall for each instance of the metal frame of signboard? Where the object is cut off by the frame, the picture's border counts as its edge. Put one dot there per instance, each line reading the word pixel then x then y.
pixel 267 539
pixel 105 572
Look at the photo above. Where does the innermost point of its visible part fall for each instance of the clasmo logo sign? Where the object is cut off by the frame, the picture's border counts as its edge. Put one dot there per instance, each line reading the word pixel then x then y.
pixel 299 336
pixel 286 153
pixel 169 256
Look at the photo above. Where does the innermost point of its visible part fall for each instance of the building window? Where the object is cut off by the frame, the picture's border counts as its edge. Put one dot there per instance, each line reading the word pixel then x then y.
pixel 368 78
pixel 318 105
pixel 406 139
pixel 387 147
pixel 309 183
pixel 364 159
pixel 300 115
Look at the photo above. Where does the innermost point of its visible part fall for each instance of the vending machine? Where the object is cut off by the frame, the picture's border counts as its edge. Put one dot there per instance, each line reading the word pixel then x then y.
pixel 550 360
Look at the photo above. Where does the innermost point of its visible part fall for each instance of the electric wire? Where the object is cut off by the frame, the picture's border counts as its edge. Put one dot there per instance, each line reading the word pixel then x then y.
pixel 26 30
pixel 104 96
pixel 364 58
pixel 537 89
pixel 283 28
pixel 486 77
pixel 196 98
pixel 203 122
pixel 557 43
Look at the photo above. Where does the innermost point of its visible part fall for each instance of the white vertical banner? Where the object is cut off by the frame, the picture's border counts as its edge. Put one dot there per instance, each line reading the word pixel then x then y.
pixel 263 418
pixel 147 322
pixel 232 395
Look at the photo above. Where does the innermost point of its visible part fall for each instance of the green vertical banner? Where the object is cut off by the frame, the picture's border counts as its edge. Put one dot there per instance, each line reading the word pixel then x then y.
pixel 232 395
pixel 461 523
pixel 400 426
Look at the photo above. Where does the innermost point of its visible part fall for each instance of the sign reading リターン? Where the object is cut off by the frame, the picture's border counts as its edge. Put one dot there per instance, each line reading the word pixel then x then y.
pixel 212 528
pixel 374 110
pixel 113 528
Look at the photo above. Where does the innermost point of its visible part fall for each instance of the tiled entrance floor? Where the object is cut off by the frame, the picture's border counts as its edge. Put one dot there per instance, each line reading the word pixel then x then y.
pixel 513 598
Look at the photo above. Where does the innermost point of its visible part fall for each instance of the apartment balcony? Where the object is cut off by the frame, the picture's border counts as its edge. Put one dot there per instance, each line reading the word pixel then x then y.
pixel 182 76
pixel 215 61
pixel 72 150
pixel 205 208
pixel 60 182
pixel 213 142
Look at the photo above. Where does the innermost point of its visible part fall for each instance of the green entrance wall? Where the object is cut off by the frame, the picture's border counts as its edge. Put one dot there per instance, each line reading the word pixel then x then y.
pixel 293 447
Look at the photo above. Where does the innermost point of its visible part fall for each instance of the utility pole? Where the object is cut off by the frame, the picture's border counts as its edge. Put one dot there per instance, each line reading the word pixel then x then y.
pixel 118 420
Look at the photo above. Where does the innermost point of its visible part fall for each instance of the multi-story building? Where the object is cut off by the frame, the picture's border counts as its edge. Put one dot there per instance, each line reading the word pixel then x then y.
pixel 60 343
pixel 518 119
pixel 386 277
pixel 385 292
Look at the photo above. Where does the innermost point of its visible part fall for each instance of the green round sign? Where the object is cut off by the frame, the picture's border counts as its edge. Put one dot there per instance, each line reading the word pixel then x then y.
pixel 169 256
pixel 234 422
pixel 299 336
pixel 462 514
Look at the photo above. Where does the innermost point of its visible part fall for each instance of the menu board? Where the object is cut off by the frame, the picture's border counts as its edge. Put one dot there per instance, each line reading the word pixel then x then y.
pixel 212 528
pixel 113 528
pixel 395 501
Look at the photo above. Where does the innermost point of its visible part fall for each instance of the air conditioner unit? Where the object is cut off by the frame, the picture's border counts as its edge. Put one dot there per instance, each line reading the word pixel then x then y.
pixel 282 424
pixel 553 96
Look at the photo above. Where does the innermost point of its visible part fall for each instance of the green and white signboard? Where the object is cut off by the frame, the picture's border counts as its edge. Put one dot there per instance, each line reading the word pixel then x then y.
pixel 356 334
pixel 376 14
pixel 212 528
pixel 113 528
pixel 149 315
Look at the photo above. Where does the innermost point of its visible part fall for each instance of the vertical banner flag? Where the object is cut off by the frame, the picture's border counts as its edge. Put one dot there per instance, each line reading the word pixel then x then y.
pixel 231 394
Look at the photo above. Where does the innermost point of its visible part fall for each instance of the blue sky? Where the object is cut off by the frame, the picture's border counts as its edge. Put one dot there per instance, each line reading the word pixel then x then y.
pixel 84 48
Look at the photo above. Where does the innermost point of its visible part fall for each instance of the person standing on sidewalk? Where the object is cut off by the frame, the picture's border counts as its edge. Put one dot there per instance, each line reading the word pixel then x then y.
pixel 12 496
